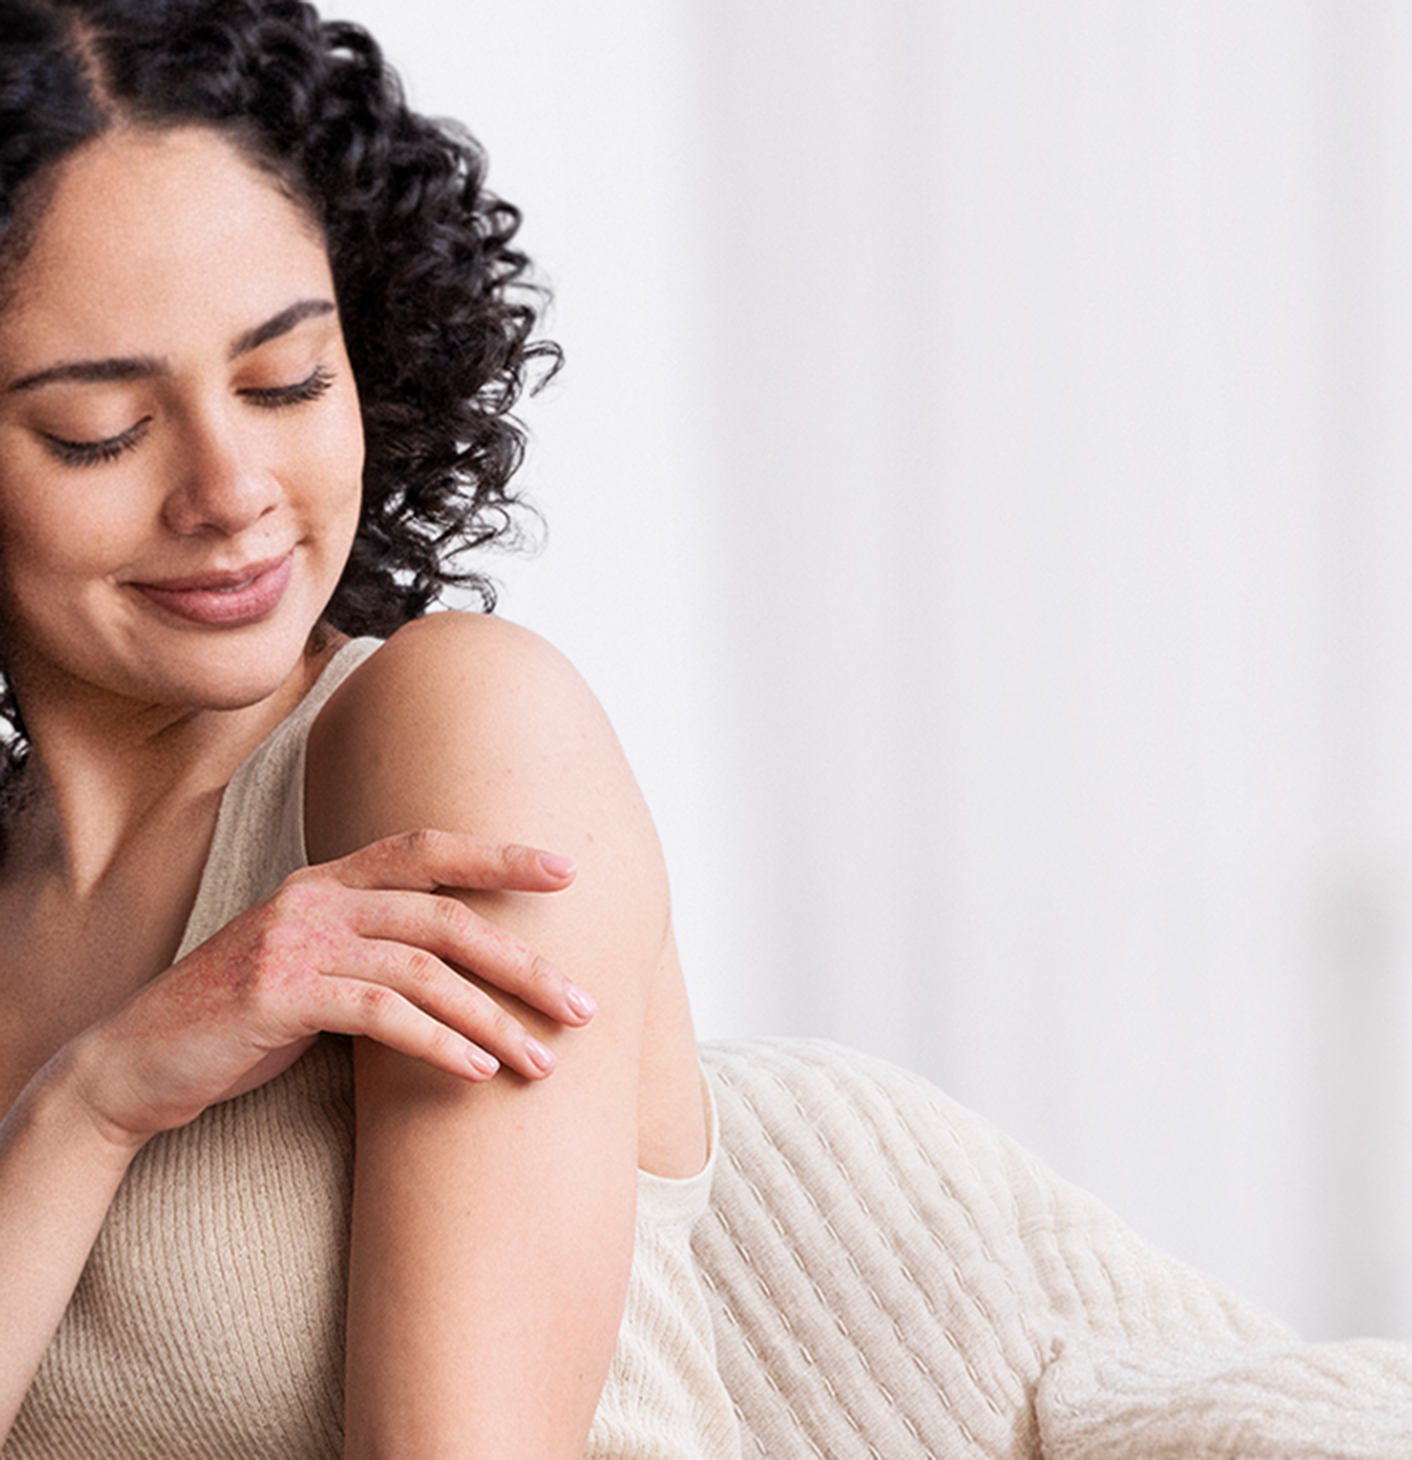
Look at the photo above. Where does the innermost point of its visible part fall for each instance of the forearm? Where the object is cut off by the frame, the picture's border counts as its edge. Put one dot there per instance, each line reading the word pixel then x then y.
pixel 58 1176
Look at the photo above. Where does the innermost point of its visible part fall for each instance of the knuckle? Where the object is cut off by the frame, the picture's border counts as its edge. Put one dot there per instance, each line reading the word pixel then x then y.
pixel 501 1025
pixel 375 1000
pixel 450 916
pixel 297 900
pixel 287 901
pixel 439 1041
pixel 536 971
pixel 422 968
pixel 426 843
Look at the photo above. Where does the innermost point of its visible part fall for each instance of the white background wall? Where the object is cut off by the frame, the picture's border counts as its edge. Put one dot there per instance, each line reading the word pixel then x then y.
pixel 979 492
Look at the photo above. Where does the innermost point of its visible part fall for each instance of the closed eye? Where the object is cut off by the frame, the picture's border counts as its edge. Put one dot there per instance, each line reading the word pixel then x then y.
pixel 310 388
pixel 269 397
pixel 95 453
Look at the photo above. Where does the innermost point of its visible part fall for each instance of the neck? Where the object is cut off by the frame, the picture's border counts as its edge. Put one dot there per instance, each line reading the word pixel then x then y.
pixel 99 774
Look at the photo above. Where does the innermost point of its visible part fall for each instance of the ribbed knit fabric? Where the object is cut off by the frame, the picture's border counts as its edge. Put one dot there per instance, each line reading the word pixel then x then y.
pixel 209 1321
pixel 1293 1401
pixel 895 1279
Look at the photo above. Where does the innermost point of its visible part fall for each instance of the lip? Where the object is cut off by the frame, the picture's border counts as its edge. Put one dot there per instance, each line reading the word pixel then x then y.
pixel 227 598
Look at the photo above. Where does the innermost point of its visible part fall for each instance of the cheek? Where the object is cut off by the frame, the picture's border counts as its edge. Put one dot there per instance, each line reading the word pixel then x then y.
pixel 62 545
pixel 334 457
pixel 63 528
pixel 43 500
pixel 46 585
pixel 347 472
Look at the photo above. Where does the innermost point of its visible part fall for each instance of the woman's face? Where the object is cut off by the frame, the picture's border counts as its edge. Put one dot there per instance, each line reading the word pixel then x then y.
pixel 180 445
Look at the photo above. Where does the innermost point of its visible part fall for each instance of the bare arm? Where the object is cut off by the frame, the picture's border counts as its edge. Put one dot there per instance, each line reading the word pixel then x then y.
pixel 493 1227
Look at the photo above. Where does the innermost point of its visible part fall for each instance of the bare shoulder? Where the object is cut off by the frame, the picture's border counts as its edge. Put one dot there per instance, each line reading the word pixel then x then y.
pixel 470 723
pixel 454 675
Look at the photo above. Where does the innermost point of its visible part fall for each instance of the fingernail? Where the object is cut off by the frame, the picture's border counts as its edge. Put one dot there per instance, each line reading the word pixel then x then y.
pixel 580 1002
pixel 481 1062
pixel 556 865
pixel 540 1057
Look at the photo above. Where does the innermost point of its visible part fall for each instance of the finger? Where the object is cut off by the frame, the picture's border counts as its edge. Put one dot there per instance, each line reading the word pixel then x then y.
pixel 374 1011
pixel 427 859
pixel 455 934
pixel 432 986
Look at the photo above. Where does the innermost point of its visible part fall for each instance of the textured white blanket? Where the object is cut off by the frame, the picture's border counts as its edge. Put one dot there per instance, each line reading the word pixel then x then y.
pixel 1352 1401
pixel 895 1279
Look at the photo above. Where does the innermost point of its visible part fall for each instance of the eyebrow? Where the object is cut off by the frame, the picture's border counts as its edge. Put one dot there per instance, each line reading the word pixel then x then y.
pixel 144 367
pixel 281 324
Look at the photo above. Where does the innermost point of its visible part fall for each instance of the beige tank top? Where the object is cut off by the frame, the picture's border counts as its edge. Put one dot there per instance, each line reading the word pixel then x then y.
pixel 209 1320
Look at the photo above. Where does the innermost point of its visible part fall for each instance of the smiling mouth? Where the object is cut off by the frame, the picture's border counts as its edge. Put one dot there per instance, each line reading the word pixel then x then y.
pixel 224 600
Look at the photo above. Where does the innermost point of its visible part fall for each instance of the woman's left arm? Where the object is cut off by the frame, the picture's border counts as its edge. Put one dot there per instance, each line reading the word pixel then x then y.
pixel 493 1223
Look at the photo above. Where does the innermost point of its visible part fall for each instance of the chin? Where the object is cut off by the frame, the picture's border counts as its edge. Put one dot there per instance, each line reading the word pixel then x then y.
pixel 231 670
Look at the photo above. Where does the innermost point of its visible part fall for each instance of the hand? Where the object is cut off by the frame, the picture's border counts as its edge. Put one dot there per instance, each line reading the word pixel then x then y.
pixel 365 945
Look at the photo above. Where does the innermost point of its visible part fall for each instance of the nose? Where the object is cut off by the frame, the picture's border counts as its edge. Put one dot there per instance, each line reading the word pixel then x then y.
pixel 222 483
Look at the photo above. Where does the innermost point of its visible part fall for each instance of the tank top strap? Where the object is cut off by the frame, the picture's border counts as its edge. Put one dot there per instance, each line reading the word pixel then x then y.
pixel 259 835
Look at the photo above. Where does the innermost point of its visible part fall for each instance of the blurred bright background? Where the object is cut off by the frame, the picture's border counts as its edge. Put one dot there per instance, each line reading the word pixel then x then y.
pixel 979 492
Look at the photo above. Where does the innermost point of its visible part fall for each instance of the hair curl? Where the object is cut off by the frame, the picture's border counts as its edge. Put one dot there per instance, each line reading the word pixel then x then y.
pixel 435 301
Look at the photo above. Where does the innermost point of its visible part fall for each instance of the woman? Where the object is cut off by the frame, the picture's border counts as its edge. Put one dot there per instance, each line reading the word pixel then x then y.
pixel 259 331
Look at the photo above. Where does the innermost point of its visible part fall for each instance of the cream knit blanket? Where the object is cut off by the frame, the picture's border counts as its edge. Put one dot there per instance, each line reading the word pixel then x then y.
pixel 895 1279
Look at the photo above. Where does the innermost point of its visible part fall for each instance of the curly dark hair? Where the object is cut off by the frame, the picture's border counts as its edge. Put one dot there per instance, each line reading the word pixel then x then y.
pixel 436 303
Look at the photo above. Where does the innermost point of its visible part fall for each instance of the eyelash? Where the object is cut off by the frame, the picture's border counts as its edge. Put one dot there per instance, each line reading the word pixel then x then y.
pixel 267 397
pixel 274 396
pixel 96 453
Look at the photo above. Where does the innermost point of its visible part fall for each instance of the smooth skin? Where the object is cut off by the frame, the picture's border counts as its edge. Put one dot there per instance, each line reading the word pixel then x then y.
pixel 176 409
